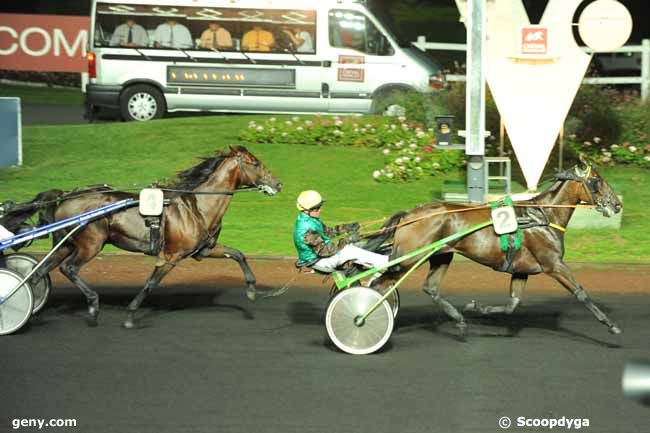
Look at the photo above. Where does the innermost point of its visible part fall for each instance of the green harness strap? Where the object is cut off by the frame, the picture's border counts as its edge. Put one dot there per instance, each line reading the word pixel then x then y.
pixel 506 237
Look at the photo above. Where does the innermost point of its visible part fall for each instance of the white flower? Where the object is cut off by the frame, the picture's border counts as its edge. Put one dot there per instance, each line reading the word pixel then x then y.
pixel 289 122
pixel 417 159
pixel 413 146
pixel 386 151
pixel 614 146
pixel 607 154
pixel 399 144
pixel 435 165
pixel 295 118
pixel 398 161
pixel 420 134
pixel 368 125
pixel 356 130
pixel 632 149
pixel 587 143
pixel 308 122
pixel 376 174
pixel 405 126
pixel 338 122
pixel 402 119
pixel 646 158
pixel 418 168
pixel 272 130
pixel 406 158
pixel 572 136
pixel 363 130
pixel 389 175
pixel 606 159
pixel 393 126
pixel 272 119
pixel 260 128
pixel 299 128
pixel 284 134
pixel 373 130
pixel 596 140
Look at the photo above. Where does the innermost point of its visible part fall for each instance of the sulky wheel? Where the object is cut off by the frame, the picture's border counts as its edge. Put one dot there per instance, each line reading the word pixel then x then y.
pixel 23 264
pixel 15 309
pixel 342 321
pixel 393 299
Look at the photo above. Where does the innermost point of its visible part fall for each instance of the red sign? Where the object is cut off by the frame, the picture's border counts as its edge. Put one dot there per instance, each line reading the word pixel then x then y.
pixel 349 74
pixel 51 43
pixel 534 40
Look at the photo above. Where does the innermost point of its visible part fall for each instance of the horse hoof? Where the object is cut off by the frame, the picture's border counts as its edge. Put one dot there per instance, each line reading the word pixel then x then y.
pixel 472 306
pixel 129 324
pixel 251 295
pixel 462 331
pixel 615 330
pixel 91 318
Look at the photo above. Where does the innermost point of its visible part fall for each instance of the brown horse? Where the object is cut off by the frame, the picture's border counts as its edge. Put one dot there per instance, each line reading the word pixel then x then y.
pixel 542 241
pixel 190 224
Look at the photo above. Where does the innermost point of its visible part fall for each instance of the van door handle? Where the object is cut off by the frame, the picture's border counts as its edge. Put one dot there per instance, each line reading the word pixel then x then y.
pixel 327 63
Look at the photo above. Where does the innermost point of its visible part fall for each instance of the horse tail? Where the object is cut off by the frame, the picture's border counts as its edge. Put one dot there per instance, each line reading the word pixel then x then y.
pixel 386 232
pixel 14 216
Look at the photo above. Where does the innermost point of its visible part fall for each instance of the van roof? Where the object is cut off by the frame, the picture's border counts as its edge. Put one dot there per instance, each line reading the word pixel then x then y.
pixel 279 4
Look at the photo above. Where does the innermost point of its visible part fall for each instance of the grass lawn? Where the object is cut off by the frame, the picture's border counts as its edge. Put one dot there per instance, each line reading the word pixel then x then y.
pixel 124 154
pixel 40 95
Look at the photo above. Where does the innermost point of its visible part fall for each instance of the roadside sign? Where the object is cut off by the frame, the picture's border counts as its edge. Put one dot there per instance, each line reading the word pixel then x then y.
pixel 11 147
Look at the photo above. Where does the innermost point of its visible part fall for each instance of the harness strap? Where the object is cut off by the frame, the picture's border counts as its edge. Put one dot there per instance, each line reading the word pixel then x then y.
pixel 557 227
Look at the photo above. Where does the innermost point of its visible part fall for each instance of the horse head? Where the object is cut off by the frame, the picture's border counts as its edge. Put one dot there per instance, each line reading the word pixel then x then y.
pixel 253 172
pixel 595 189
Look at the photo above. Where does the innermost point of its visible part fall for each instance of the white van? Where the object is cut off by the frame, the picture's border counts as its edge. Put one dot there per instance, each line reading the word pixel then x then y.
pixel 256 56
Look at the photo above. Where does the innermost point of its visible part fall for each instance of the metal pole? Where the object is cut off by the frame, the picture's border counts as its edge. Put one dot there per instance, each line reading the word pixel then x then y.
pixel 475 105
pixel 561 149
pixel 645 70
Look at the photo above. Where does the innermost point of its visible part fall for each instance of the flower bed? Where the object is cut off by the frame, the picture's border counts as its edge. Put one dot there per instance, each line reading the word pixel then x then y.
pixel 408 148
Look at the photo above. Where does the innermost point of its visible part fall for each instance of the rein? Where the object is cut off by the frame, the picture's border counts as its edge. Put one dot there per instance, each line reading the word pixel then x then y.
pixel 473 208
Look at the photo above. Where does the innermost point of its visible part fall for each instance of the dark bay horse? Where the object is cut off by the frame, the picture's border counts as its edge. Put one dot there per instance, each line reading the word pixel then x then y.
pixel 190 224
pixel 542 246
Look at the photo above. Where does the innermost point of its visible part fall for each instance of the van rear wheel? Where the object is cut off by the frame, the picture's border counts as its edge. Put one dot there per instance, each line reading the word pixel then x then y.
pixel 391 102
pixel 142 102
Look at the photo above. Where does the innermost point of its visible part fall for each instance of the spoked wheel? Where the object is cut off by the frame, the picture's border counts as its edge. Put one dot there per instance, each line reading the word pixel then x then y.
pixel 344 328
pixel 393 300
pixel 23 265
pixel 15 309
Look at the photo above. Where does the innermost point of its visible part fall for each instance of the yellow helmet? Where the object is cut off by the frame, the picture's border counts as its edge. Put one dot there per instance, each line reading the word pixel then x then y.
pixel 308 200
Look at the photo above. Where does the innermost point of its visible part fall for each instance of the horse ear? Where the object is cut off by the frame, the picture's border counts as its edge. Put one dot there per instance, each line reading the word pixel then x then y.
pixel 584 167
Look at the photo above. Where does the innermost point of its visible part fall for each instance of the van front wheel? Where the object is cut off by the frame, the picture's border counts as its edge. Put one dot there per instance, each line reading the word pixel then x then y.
pixel 142 102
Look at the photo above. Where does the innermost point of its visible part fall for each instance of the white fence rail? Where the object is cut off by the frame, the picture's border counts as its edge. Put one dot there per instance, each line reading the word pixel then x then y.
pixel 643 80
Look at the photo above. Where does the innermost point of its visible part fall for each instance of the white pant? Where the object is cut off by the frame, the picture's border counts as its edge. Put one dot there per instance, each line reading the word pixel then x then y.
pixel 358 255
pixel 4 233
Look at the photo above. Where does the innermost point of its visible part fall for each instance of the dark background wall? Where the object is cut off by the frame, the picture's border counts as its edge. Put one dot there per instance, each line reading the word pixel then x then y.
pixel 443 28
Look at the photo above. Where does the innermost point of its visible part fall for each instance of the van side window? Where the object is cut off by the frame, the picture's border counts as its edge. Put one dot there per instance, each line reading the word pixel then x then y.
pixel 352 29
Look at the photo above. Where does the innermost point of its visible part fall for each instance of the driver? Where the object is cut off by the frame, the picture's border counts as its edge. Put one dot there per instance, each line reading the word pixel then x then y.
pixel 313 242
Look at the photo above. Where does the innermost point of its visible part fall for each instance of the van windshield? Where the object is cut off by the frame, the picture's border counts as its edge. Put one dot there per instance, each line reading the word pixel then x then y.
pixel 388 23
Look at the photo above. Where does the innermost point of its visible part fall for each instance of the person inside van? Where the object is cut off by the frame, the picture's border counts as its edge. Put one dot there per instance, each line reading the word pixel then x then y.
pixel 313 242
pixel 300 38
pixel 216 37
pixel 172 34
pixel 258 39
pixel 129 34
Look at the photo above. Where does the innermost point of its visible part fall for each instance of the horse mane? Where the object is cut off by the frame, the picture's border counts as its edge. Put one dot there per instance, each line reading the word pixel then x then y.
pixel 192 177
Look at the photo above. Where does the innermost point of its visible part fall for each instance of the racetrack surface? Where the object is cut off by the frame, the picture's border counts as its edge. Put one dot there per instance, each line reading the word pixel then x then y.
pixel 205 359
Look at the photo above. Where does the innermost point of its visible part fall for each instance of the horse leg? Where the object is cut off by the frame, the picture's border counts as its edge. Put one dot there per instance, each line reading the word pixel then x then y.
pixel 517 286
pixel 71 266
pixel 560 271
pixel 154 279
pixel 438 268
pixel 221 251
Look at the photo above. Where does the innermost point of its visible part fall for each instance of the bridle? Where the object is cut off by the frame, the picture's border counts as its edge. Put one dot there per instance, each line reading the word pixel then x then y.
pixel 590 185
